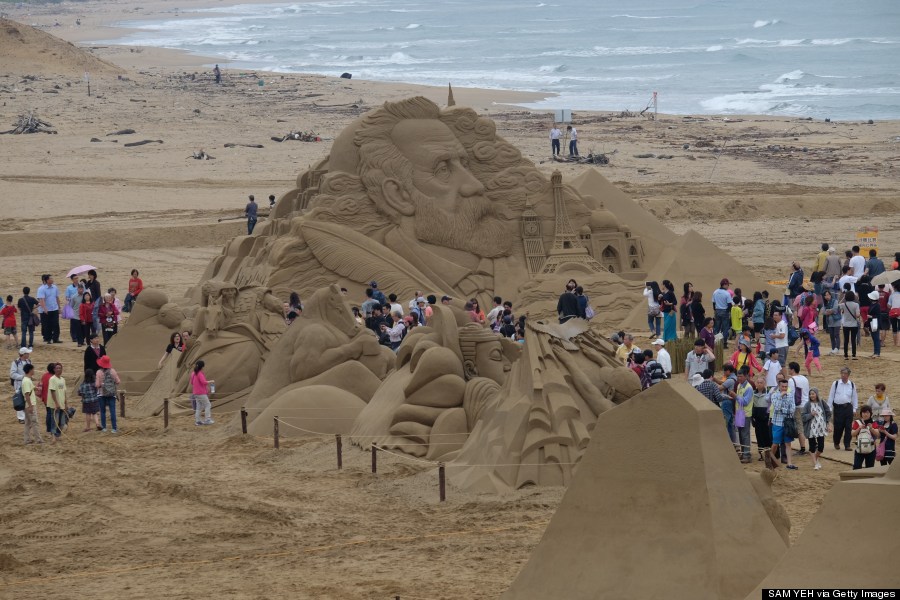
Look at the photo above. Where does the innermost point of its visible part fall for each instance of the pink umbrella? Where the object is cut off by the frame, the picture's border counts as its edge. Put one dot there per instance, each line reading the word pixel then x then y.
pixel 80 270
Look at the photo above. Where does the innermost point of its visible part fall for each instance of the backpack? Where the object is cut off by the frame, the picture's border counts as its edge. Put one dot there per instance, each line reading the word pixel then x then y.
pixel 798 393
pixel 108 387
pixel 793 335
pixel 865 443
pixel 655 372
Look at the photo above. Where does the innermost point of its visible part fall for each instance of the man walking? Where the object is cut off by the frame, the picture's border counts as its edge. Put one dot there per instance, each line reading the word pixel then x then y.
pixel 874 266
pixel 48 297
pixel 795 283
pixel 218 74
pixel 250 213
pixel 843 400
pixel 17 374
pixel 721 300
pixel 554 139
pixel 782 344
pixel 796 381
pixel 573 140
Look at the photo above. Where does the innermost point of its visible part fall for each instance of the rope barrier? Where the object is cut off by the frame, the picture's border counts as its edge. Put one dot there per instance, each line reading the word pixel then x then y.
pixel 282 554
pixel 406 456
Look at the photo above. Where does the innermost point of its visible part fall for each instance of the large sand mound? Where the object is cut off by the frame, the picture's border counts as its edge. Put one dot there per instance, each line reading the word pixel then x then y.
pixel 26 50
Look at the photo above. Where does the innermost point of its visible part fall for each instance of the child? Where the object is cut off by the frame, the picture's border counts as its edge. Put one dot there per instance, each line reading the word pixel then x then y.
pixel 737 316
pixel 90 401
pixel 772 369
pixel 811 349
pixel 9 323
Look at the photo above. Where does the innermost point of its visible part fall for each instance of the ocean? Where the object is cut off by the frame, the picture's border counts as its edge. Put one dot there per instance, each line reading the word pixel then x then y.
pixel 833 59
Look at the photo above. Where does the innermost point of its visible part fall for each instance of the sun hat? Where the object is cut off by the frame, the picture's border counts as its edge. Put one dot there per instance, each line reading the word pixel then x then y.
pixel 103 362
pixel 24 350
pixel 696 379
pixel 873 295
pixel 659 342
pixel 886 412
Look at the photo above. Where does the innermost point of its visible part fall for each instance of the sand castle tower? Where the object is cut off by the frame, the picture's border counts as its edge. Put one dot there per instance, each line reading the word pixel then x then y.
pixel 532 239
pixel 567 252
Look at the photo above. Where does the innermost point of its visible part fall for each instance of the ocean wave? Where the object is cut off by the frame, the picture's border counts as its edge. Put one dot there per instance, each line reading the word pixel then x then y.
pixel 650 17
pixel 552 68
pixel 412 26
pixel 715 48
pixel 761 23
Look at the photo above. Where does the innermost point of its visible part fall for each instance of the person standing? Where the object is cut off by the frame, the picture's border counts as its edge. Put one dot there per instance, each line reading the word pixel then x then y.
pixel 782 409
pixel 843 400
pixel 567 306
pixel 832 320
pixel 86 317
pixel 816 417
pixel 889 434
pixel 688 328
pixel 200 386
pixel 93 286
pixel 90 401
pixel 668 305
pixel 93 353
pixel 69 311
pixel 573 140
pixel 654 314
pixel 56 401
pixel 760 415
pixel 866 434
pixel 857 263
pixel 721 300
pixel 795 283
pixel 218 74
pixel 850 320
pixel 876 322
pixel 874 266
pixel 32 431
pixel 250 213
pixel 17 374
pixel 663 357
pixel 8 317
pixel 26 305
pixel 821 258
pixel 698 360
pixel 781 337
pixel 743 412
pixel 106 381
pixel 796 382
pixel 109 318
pixel 554 140
pixel 48 296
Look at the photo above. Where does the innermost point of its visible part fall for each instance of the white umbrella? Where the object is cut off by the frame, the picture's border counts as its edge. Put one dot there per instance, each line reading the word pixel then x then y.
pixel 886 278
pixel 80 270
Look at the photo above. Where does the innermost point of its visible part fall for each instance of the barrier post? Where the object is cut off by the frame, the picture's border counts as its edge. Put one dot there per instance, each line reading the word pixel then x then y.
pixel 244 420
pixel 276 433
pixel 166 413
pixel 442 482
pixel 122 404
pixel 340 457
pixel 374 459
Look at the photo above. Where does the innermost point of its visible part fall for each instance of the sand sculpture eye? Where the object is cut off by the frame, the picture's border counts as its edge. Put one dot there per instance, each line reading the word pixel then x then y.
pixel 442 170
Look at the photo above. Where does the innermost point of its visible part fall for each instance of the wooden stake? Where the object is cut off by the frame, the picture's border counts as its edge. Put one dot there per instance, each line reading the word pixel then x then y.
pixel 374 459
pixel 121 405
pixel 166 413
pixel 244 420
pixel 276 433
pixel 442 482
pixel 340 454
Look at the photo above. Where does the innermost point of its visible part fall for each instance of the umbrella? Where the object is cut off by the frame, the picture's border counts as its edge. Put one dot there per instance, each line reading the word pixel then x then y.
pixel 80 270
pixel 886 278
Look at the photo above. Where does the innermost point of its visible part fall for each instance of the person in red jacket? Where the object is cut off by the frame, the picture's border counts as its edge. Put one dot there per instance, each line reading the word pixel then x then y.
pixel 8 312
pixel 86 316
pixel 135 287
pixel 109 318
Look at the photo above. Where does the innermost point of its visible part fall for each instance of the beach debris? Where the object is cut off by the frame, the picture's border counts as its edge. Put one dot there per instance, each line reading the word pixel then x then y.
pixel 346 76
pixel 202 155
pixel 122 132
pixel 96 140
pixel 230 145
pixel 590 159
pixel 142 142
pixel 30 124
pixel 136 100
pixel 450 100
pixel 300 136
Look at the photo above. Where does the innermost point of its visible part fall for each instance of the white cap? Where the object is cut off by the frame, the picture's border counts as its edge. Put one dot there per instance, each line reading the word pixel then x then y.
pixel 421 299
pixel 659 342
pixel 873 295
pixel 24 350
pixel 696 379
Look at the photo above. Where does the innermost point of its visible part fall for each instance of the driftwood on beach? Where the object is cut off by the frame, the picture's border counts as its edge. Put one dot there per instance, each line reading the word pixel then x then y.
pixel 230 145
pixel 142 142
pixel 30 124
pixel 300 136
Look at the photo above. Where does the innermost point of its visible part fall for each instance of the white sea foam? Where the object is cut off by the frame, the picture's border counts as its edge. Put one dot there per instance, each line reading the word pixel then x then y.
pixel 760 23
pixel 715 48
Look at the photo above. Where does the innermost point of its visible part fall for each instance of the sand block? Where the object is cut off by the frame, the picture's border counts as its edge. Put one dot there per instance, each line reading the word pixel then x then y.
pixel 845 522
pixel 658 508
pixel 315 409
pixel 874 472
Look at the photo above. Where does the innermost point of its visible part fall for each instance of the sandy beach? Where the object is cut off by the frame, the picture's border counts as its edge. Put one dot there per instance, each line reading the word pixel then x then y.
pixel 189 512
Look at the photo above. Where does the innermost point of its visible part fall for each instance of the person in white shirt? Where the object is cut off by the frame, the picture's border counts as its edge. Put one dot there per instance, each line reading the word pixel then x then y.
pixel 843 400
pixel 554 139
pixel 573 140
pixel 772 368
pixel 797 381
pixel 857 263
pixel 847 278
pixel 396 307
pixel 781 337
pixel 663 357
pixel 495 312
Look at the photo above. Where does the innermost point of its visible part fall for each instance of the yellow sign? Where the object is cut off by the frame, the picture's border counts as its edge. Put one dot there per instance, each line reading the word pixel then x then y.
pixel 867 239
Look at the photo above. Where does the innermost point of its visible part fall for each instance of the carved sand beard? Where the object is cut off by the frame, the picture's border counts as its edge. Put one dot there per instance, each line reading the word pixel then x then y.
pixel 472 227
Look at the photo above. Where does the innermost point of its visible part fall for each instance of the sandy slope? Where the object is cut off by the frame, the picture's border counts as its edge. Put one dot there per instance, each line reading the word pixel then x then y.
pixel 179 507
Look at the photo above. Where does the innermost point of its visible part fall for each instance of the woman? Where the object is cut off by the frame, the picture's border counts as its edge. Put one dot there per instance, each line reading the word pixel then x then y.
pixel 879 402
pixel 90 401
pixel 894 311
pixel 816 423
pixel 653 295
pixel 668 304
pixel 808 315
pixel 687 320
pixel 480 318
pixel 698 312
pixel 471 312
pixel 817 279
pixel 201 389
pixel 175 344
pixel 875 320
pixel 850 319
pixel 743 357
pixel 135 287
pixel 86 316
pixel 896 264
pixel 583 302
pixel 889 435
pixel 759 312
pixel 109 318
pixel 768 336
pixel 706 333
pixel 864 423
pixel 832 320
pixel 106 381
pixel 760 415
pixel 863 288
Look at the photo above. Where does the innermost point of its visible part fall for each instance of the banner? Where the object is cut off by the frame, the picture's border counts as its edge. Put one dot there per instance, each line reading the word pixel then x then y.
pixel 867 239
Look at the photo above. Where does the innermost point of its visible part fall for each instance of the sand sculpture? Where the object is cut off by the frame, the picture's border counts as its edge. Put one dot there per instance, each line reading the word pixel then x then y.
pixel 422 199
pixel 639 523
pixel 849 510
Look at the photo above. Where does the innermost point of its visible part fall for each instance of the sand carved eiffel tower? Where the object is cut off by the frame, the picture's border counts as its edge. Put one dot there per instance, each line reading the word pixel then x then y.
pixel 567 252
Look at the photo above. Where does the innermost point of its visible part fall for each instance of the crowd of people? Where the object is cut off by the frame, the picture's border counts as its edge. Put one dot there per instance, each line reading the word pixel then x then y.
pixel 760 387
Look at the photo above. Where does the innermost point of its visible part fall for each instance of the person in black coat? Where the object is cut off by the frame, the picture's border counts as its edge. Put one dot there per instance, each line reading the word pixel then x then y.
pixel 93 353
